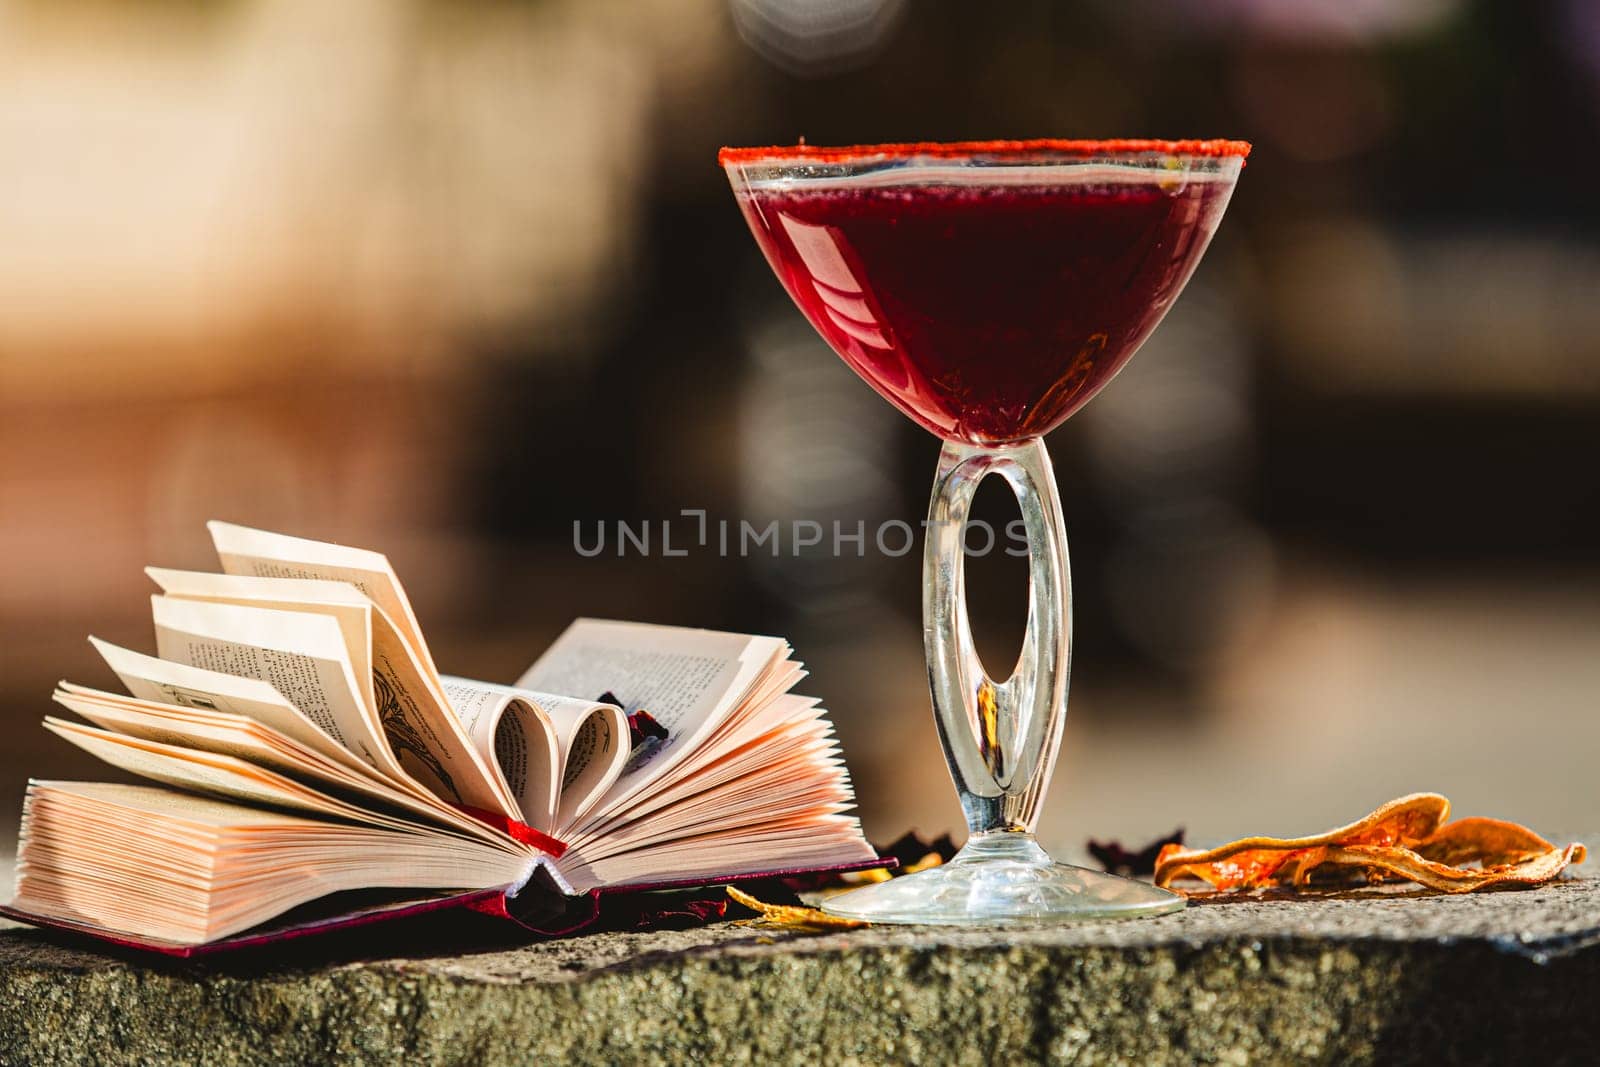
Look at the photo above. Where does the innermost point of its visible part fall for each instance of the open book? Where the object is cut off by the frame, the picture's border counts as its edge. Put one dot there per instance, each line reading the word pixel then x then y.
pixel 303 743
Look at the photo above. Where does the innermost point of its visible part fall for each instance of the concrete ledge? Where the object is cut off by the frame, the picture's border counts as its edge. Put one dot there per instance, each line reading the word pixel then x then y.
pixel 1495 978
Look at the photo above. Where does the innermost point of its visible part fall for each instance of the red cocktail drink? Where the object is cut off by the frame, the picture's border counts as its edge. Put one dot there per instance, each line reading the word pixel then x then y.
pixel 988 304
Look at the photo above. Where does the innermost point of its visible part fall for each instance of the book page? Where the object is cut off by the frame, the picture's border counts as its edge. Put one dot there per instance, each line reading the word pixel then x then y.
pixel 595 747
pixel 302 656
pixel 179 684
pixel 768 695
pixel 216 774
pixel 518 742
pixel 788 726
pixel 218 732
pixel 688 680
pixel 417 721
pixel 340 601
pixel 812 839
pixel 796 781
pixel 270 555
pixel 243 738
pixel 431 740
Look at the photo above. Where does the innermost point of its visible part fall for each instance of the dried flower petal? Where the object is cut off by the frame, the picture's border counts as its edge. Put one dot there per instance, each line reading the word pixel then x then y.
pixel 1114 859
pixel 791 916
pixel 926 863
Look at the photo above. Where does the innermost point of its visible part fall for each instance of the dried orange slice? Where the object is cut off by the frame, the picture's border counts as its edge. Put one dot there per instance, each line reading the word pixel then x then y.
pixel 1405 839
pixel 1446 878
pixel 1257 861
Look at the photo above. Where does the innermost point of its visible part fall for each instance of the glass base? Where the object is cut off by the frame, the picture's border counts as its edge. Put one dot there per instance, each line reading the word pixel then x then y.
pixel 999 878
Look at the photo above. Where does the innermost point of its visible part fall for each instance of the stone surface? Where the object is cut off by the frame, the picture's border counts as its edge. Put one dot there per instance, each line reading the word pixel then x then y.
pixel 1495 978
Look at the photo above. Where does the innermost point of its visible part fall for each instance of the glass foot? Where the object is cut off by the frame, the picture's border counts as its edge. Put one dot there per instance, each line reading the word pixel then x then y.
pixel 1002 878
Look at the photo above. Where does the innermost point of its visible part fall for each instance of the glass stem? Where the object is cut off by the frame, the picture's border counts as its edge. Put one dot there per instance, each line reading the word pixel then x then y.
pixel 1000 738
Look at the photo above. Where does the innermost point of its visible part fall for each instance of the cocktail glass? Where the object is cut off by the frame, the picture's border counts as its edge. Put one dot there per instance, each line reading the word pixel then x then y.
pixel 988 290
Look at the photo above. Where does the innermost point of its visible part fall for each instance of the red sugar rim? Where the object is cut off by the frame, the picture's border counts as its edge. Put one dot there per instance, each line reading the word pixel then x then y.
pixel 952 149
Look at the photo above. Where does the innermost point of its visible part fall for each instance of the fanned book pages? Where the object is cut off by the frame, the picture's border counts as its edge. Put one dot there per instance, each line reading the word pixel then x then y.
pixel 300 743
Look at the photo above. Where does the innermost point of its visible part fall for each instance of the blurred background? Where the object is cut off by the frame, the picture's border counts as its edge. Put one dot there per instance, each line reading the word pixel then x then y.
pixel 445 279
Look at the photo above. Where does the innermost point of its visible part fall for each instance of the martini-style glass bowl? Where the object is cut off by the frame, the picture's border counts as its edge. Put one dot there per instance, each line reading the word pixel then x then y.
pixel 988 290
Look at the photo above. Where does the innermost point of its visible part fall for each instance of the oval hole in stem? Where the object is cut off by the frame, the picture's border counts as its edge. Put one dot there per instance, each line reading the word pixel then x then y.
pixel 997 577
